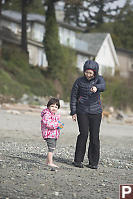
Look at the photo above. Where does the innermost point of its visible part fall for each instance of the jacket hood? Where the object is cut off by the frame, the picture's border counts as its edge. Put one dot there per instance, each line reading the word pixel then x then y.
pixel 92 65
pixel 45 111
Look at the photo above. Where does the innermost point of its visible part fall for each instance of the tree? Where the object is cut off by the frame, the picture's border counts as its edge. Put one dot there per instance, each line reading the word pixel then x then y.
pixel 123 27
pixel 61 60
pixel 2 4
pixel 0 7
pixel 72 10
pixel 98 12
pixel 51 41
pixel 36 7
pixel 89 14
pixel 24 5
pixel 23 25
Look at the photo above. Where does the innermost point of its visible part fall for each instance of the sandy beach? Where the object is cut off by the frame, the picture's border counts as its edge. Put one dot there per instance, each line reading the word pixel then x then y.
pixel 24 174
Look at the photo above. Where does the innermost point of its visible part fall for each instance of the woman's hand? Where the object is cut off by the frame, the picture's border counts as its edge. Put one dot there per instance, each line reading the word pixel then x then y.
pixel 74 117
pixel 93 89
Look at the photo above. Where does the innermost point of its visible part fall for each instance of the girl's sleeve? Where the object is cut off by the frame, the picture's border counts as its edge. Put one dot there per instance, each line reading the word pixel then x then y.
pixel 49 123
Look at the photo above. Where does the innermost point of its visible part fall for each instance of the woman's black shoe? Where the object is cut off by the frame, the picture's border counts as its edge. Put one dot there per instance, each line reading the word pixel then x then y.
pixel 78 164
pixel 92 166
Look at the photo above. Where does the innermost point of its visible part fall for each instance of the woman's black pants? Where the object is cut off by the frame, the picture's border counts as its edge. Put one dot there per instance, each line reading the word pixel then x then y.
pixel 88 123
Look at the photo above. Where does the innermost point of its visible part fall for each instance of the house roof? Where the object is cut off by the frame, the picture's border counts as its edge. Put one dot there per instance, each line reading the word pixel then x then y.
pixel 90 43
pixel 12 15
pixel 130 52
pixel 16 16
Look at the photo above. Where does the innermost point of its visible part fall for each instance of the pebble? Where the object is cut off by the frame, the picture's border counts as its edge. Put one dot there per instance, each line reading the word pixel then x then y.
pixel 74 195
pixel 56 193
pixel 105 180
pixel 103 184
pixel 42 184
pixel 79 184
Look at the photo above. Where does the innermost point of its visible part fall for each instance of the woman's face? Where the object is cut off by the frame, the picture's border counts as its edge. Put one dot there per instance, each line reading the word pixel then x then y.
pixel 53 108
pixel 89 74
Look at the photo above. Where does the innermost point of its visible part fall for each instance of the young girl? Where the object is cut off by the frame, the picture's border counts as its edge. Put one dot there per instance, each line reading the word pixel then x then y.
pixel 50 127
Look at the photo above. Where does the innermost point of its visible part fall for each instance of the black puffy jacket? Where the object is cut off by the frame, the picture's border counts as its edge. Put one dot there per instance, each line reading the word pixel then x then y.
pixel 82 99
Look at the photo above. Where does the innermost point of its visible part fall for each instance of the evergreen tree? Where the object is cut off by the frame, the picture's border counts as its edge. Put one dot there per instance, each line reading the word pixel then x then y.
pixel 72 10
pixel 89 14
pixel 23 25
pixel 24 6
pixel 97 12
pixel 52 45
pixel 0 11
pixel 0 8
pixel 123 27
pixel 34 6
pixel 12 5
pixel 61 60
pixel 3 4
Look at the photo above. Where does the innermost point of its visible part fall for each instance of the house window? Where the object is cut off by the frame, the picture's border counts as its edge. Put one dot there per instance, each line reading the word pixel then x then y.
pixel 13 28
pixel 42 61
pixel 38 32
pixel 28 28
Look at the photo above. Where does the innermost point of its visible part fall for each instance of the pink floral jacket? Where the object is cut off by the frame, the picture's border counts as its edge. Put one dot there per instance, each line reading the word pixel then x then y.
pixel 49 124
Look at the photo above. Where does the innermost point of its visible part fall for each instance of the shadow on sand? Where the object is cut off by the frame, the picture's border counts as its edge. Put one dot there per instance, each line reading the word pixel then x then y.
pixel 30 158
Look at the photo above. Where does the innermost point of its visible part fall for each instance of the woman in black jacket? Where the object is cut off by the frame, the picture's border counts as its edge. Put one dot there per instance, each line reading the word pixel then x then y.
pixel 86 108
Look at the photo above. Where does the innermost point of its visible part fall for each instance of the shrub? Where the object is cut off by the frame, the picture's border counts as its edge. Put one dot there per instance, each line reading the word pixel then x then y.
pixel 18 77
pixel 118 93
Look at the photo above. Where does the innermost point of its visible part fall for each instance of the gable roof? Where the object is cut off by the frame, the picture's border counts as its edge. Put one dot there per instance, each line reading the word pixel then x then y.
pixel 90 43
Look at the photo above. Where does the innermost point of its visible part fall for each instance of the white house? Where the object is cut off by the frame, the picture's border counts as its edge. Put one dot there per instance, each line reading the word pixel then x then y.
pixel 94 45
pixel 98 46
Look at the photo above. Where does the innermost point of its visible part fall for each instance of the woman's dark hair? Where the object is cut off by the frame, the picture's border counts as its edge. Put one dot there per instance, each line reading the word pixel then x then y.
pixel 53 101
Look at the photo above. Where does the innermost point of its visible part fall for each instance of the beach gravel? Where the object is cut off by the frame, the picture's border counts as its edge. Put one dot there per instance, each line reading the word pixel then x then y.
pixel 24 174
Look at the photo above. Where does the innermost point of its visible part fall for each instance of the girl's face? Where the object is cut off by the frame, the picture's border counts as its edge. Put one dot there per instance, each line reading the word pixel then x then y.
pixel 53 108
